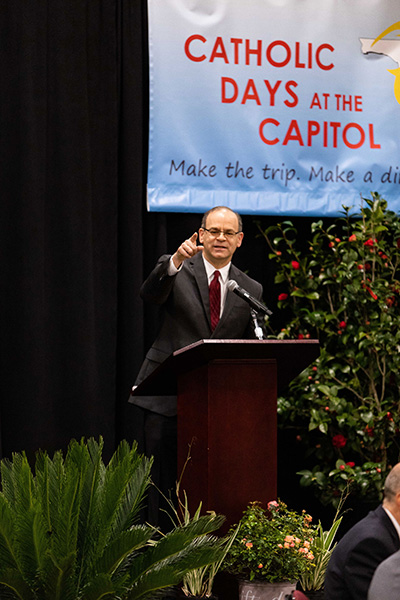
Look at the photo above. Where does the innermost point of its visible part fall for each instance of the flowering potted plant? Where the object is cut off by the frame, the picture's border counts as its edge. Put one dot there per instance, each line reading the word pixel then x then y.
pixel 272 546
pixel 323 544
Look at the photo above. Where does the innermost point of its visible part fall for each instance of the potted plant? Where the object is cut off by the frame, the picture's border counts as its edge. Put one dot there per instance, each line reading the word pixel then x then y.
pixel 198 583
pixel 68 529
pixel 323 543
pixel 271 551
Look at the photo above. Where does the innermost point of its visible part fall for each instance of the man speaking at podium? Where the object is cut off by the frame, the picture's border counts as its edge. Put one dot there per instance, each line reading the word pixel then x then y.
pixel 191 288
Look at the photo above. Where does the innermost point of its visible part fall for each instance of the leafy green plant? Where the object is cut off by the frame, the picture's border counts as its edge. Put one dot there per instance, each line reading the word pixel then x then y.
pixel 68 532
pixel 322 546
pixel 344 290
pixel 198 583
pixel 272 544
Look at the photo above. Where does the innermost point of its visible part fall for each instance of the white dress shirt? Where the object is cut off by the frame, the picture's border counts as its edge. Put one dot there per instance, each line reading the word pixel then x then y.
pixel 223 277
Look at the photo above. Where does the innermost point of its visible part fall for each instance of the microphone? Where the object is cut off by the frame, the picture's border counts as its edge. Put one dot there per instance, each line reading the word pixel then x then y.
pixel 234 287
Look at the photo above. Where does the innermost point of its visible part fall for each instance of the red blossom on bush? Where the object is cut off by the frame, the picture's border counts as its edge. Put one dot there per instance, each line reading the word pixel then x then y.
pixel 339 441
pixel 374 296
pixel 353 238
pixel 369 431
pixel 295 265
pixel 331 244
pixel 282 296
pixel 369 242
pixel 342 324
pixel 300 336
pixel 351 464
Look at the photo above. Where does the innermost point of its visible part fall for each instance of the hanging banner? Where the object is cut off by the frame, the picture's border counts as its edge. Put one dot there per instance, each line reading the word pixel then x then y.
pixel 273 106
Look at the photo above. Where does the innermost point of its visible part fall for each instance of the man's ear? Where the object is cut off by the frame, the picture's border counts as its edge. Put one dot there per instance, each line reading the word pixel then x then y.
pixel 201 235
pixel 240 239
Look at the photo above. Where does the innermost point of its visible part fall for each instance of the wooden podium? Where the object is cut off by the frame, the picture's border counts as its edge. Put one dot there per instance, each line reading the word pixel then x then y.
pixel 227 416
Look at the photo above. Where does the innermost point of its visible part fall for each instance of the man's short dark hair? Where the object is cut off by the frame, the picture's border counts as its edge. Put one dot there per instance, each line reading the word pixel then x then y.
pixel 205 216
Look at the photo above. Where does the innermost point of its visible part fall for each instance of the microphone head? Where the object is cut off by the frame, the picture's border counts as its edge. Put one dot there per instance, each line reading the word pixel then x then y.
pixel 232 285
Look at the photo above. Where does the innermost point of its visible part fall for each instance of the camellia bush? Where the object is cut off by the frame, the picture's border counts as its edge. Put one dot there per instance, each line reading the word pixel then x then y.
pixel 343 289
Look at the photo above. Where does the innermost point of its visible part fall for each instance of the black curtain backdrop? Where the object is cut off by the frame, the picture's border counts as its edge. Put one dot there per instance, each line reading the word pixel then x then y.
pixel 76 239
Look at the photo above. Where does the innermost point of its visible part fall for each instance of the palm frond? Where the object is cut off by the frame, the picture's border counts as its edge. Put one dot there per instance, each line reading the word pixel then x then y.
pixel 8 552
pixel 15 586
pixel 89 523
pixel 31 542
pixel 100 588
pixel 59 578
pixel 125 482
pixel 171 570
pixel 123 546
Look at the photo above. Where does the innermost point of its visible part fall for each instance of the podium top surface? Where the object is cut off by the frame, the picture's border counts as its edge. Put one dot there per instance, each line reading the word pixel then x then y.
pixel 292 357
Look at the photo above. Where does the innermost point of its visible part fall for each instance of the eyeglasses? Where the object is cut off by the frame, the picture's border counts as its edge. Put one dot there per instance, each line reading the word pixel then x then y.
pixel 217 232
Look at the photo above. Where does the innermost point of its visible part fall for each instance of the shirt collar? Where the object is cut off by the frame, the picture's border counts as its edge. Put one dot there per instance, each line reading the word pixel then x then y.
pixel 224 271
pixel 393 519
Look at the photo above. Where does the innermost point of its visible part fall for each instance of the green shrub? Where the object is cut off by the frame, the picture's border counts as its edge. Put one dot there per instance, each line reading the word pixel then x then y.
pixel 344 290
pixel 68 532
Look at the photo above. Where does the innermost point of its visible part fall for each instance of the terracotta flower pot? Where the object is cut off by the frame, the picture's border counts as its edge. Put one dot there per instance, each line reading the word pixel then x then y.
pixel 260 590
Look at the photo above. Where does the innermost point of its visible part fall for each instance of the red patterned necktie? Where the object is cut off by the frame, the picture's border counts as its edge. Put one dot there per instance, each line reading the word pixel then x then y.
pixel 215 300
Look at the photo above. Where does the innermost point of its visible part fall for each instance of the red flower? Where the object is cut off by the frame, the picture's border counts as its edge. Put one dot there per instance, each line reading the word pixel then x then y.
pixel 295 265
pixel 342 324
pixel 331 244
pixel 374 296
pixel 300 336
pixel 369 242
pixel 351 464
pixel 360 267
pixel 352 238
pixel 342 467
pixel 282 296
pixel 369 431
pixel 339 441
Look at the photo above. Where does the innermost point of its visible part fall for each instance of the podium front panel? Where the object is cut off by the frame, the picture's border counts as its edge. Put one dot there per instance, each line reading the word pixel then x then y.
pixel 227 414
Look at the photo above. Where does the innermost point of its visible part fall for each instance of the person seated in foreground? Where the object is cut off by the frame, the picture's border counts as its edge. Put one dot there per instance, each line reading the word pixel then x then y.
pixel 365 546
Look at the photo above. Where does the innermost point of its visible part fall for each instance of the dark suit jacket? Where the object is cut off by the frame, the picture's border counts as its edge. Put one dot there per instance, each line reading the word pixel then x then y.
pixel 186 317
pixel 357 555
pixel 385 584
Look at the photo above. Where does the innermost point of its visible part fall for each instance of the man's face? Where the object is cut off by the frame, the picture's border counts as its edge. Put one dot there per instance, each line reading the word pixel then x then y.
pixel 219 247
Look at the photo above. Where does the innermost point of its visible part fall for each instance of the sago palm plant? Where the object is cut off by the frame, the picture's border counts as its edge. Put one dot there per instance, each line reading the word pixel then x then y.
pixel 68 532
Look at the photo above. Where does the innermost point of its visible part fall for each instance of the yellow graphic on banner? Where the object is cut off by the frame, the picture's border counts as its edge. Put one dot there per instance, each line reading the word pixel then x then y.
pixel 395 72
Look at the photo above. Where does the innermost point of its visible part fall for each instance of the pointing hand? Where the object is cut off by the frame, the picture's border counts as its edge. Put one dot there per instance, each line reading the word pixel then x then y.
pixel 186 250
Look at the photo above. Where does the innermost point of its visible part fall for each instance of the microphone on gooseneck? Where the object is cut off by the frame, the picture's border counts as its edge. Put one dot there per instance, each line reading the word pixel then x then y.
pixel 234 287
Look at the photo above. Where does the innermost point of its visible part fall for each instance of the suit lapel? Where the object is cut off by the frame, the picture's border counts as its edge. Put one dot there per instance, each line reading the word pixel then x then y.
pixel 200 276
